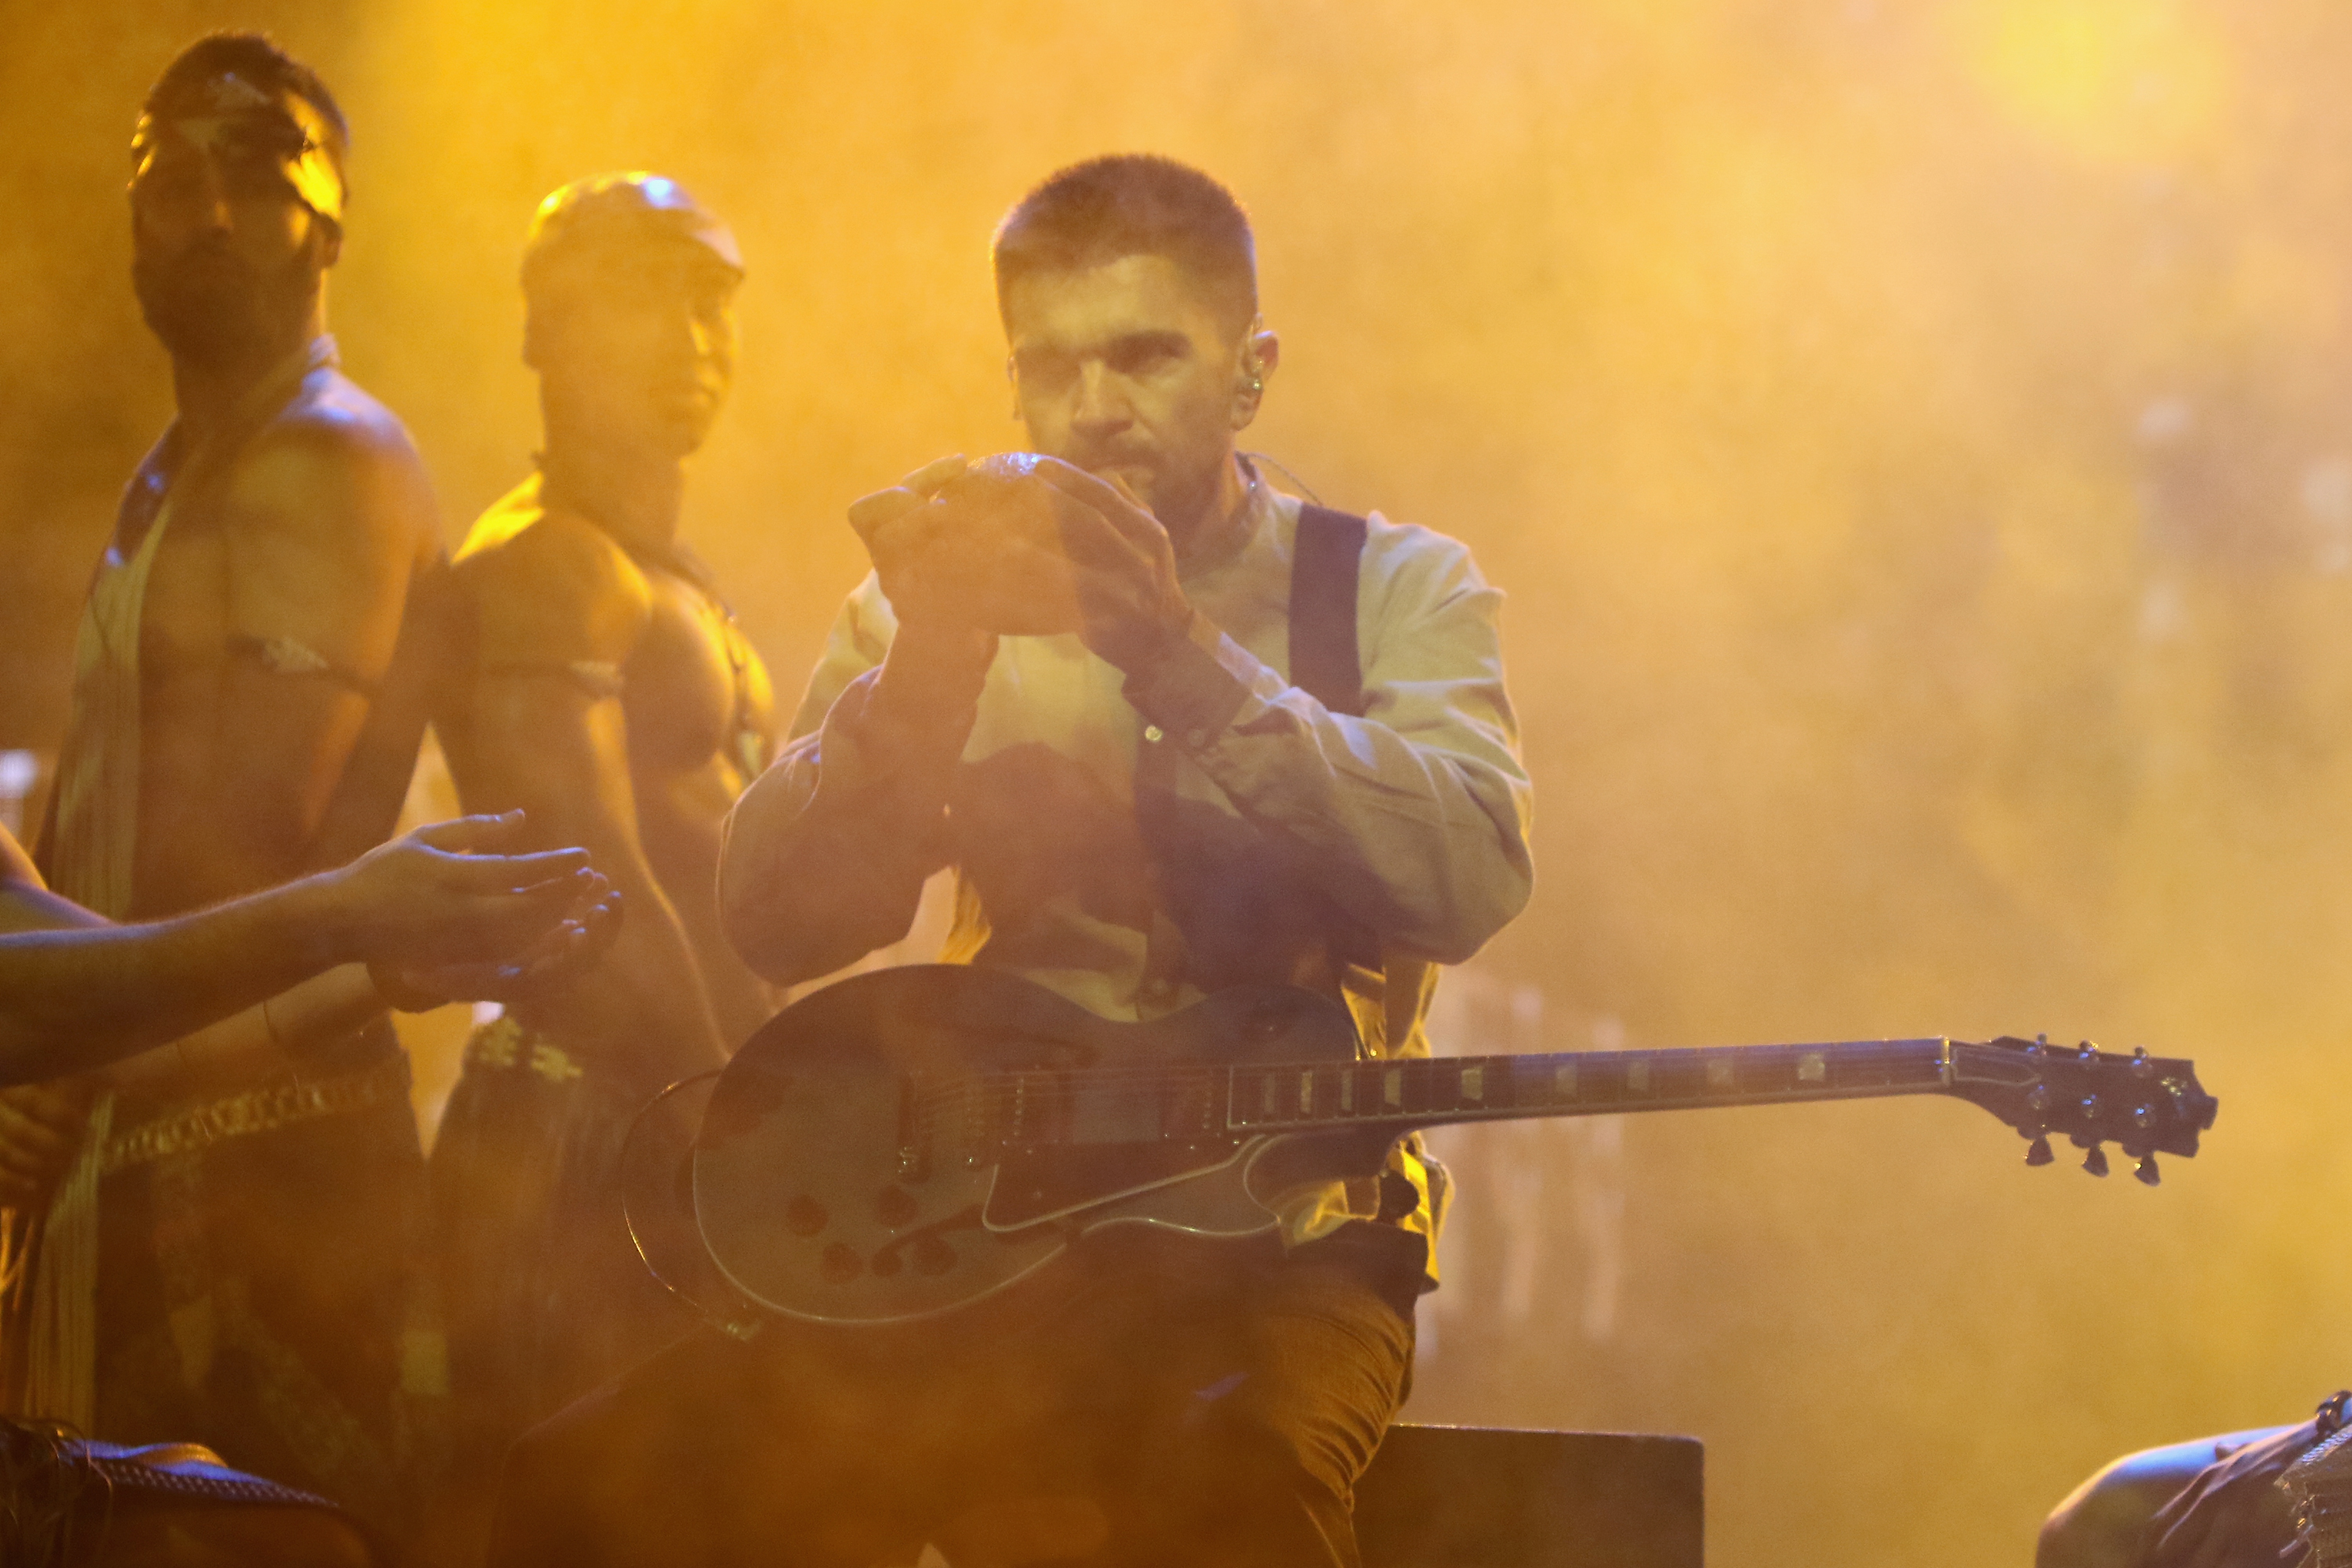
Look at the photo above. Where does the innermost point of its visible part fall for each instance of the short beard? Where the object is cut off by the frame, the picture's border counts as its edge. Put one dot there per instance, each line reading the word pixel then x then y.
pixel 209 306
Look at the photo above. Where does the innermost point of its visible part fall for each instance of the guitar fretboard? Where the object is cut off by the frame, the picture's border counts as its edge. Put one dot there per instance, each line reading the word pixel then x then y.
pixel 1469 1089
pixel 1198 1103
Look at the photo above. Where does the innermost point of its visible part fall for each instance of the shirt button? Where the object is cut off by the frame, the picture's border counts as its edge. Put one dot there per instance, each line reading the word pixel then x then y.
pixel 1151 732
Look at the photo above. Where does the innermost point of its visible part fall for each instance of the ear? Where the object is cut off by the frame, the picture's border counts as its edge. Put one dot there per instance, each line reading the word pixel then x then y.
pixel 1261 352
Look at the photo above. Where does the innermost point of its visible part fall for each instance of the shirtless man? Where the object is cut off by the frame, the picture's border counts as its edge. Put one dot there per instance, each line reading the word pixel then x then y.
pixel 250 687
pixel 612 697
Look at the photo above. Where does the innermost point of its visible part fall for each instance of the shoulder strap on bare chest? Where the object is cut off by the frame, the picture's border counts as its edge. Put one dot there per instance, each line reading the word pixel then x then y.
pixel 1324 564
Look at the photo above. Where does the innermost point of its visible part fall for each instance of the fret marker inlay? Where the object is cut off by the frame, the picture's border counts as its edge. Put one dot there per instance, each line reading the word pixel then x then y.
pixel 1563 1081
pixel 1637 1076
pixel 1811 1068
pixel 1393 1088
pixel 1473 1083
pixel 1306 1092
pixel 1718 1073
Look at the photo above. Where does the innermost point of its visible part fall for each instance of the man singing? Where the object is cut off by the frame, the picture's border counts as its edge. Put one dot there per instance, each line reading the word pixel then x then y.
pixel 1174 732
pixel 610 696
pixel 249 690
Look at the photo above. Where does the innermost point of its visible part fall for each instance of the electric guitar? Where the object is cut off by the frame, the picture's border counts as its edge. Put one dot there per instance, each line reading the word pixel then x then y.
pixel 911 1140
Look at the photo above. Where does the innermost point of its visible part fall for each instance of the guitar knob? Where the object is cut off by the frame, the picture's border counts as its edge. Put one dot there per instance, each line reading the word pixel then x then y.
pixel 2038 1152
pixel 2146 1171
pixel 2095 1161
pixel 896 1207
pixel 933 1256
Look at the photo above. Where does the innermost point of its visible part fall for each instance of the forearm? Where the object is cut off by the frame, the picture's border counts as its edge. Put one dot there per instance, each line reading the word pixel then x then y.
pixel 1413 819
pixel 73 1000
pixel 827 852
pixel 277 1033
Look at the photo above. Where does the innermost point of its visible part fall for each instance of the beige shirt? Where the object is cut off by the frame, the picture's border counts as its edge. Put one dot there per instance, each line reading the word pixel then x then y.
pixel 1136 844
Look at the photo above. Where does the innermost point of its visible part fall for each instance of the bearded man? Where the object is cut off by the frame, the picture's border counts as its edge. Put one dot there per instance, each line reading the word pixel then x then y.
pixel 240 1266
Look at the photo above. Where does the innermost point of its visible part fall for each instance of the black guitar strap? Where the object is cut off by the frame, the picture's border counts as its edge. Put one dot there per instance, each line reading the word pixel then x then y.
pixel 1325 662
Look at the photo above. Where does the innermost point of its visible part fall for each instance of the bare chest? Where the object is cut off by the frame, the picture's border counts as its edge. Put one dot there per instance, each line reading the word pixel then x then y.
pixel 698 700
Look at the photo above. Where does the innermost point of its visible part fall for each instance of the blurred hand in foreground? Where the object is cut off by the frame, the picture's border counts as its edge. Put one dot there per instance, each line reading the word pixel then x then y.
pixel 448 914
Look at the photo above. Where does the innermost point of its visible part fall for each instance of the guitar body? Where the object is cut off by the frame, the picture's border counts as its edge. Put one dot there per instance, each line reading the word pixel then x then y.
pixel 864 1161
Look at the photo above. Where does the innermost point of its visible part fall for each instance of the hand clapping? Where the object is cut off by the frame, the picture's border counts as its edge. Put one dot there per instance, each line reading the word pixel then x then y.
pixel 1025 546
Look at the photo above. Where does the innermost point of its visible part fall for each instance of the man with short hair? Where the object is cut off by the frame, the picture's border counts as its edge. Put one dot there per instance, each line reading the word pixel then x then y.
pixel 610 694
pixel 242 1266
pixel 1174 732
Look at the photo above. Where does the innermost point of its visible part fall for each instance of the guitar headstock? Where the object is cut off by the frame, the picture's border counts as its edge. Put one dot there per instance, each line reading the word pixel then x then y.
pixel 2144 1105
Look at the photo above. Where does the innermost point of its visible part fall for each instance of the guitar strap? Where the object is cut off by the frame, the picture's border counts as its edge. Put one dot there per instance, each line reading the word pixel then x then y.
pixel 1325 563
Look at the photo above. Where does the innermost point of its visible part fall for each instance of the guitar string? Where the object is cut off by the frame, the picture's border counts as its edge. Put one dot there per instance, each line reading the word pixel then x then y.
pixel 1161 1075
pixel 985 1103
pixel 992 1093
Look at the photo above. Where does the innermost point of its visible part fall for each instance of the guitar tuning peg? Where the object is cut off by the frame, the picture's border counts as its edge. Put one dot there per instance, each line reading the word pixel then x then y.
pixel 2146 1171
pixel 2038 1152
pixel 2095 1161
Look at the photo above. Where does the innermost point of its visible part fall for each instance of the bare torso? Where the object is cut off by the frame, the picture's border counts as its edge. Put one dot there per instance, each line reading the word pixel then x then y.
pixel 614 699
pixel 283 649
pixel 701 717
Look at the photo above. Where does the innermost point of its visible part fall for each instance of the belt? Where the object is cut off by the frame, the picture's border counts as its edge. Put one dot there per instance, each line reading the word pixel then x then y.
pixel 259 1110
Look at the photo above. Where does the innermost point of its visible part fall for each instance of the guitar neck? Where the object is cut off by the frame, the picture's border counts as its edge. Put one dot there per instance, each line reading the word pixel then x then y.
pixel 1426 1091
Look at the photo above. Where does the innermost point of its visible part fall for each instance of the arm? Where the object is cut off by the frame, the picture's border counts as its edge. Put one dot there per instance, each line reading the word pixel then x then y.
pixel 326 518
pixel 84 992
pixel 1414 817
pixel 827 851
pixel 556 597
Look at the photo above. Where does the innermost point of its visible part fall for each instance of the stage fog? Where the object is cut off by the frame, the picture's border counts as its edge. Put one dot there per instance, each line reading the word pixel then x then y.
pixel 1917 441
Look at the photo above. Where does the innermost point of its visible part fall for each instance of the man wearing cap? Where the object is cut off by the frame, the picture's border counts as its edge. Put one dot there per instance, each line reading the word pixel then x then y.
pixel 610 695
pixel 237 1265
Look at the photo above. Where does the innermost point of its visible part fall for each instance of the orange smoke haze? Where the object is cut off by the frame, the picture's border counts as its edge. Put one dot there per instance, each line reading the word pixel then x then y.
pixel 1913 437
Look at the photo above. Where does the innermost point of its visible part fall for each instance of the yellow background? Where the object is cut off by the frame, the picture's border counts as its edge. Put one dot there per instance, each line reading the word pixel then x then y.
pixel 1914 439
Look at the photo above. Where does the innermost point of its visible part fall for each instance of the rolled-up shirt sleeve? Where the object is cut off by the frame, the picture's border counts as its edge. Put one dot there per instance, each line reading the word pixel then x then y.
pixel 1415 817
pixel 827 851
